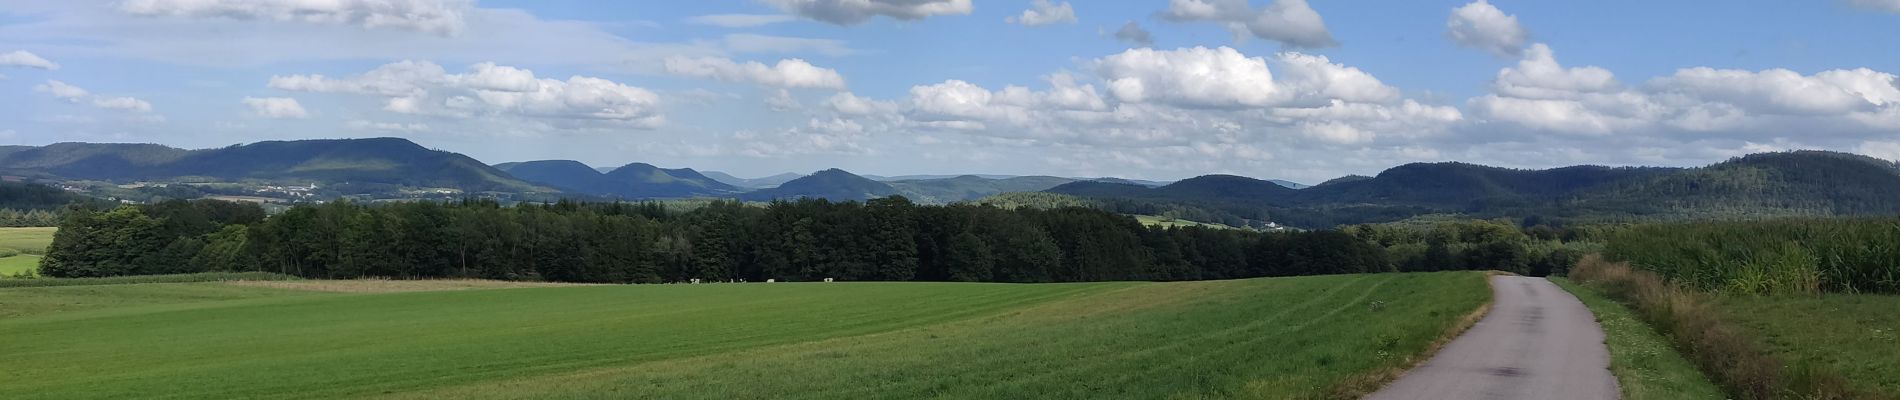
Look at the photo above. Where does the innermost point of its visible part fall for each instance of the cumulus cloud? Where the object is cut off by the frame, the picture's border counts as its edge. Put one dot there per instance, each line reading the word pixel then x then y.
pixel 1480 25
pixel 853 12
pixel 493 91
pixel 1043 12
pixel 442 17
pixel 739 20
pixel 1882 149
pixel 62 90
pixel 788 73
pixel 22 58
pixel 782 100
pixel 1291 22
pixel 276 107
pixel 817 136
pixel 1224 78
pixel 122 103
pixel 1541 94
pixel 1132 33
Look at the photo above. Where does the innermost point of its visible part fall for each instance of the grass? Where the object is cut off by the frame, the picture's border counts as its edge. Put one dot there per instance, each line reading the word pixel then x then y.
pixel 1168 222
pixel 18 264
pixel 132 279
pixel 27 240
pixel 1261 338
pixel 1727 353
pixel 1856 336
pixel 16 303
pixel 1645 365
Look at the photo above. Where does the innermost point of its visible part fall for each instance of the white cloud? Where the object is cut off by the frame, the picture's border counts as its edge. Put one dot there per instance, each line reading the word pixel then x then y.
pixel 363 125
pixel 1539 76
pixel 781 100
pixel 1199 76
pixel 62 90
pixel 1780 91
pixel 1132 33
pixel 788 73
pixel 739 20
pixel 1043 12
pixel 853 12
pixel 122 103
pixel 752 43
pixel 276 107
pixel 1291 22
pixel 494 91
pixel 1480 25
pixel 442 17
pixel 22 58
pixel 1541 94
pixel 1882 149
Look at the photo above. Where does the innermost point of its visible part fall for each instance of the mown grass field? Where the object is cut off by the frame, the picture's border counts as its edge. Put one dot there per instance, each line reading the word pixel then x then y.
pixel 1645 365
pixel 27 240
pixel 20 249
pixel 1857 336
pixel 1267 338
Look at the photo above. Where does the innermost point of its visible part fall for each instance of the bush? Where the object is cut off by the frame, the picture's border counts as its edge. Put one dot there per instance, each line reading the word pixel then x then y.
pixel 1722 350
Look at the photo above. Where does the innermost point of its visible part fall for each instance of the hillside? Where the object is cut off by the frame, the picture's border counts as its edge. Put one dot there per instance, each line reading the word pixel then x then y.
pixel 833 184
pixel 971 187
pixel 632 181
pixel 366 164
pixel 1790 183
pixel 753 183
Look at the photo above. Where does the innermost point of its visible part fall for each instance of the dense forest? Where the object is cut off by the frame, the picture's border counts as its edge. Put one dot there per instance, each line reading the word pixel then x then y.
pixel 805 240
pixel 1799 183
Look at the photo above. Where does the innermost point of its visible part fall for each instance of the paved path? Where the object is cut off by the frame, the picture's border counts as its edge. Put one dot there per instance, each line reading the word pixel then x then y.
pixel 1538 342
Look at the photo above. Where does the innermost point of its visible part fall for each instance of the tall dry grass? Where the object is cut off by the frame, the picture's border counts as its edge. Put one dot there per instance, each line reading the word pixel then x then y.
pixel 1722 350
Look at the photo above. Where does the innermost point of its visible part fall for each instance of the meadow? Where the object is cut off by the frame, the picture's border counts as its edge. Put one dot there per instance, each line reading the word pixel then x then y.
pixel 1645 365
pixel 1856 336
pixel 1302 337
pixel 20 249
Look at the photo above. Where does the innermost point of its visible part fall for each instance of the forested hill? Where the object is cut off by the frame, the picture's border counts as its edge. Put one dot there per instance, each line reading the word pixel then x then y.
pixel 1788 183
pixel 632 181
pixel 831 184
pixel 366 163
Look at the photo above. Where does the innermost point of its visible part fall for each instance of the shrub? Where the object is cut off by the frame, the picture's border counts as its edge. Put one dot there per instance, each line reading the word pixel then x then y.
pixel 1722 350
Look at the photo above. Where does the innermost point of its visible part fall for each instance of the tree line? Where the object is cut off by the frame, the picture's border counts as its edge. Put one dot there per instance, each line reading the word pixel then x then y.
pixel 886 239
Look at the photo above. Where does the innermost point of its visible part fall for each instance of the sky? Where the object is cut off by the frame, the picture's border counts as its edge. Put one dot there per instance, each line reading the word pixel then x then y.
pixel 1305 90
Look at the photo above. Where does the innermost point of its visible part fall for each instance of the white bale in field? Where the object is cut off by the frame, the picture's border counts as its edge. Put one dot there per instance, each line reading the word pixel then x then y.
pixel 827 280
pixel 769 280
pixel 695 281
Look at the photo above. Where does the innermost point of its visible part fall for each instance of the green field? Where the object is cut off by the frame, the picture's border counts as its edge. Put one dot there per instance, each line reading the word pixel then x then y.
pixel 1262 338
pixel 27 240
pixel 1857 336
pixel 1166 222
pixel 1646 367
pixel 28 244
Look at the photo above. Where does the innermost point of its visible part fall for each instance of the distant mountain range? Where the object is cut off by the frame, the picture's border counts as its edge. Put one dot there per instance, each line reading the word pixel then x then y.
pixel 1767 184
pixel 362 164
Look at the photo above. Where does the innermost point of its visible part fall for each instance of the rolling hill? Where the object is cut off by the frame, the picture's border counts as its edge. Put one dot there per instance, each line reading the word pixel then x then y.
pixel 632 181
pixel 753 183
pixel 1788 183
pixel 971 187
pixel 367 164
pixel 833 184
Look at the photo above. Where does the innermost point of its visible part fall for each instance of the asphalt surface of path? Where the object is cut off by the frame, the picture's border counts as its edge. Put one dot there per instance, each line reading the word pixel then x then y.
pixel 1538 342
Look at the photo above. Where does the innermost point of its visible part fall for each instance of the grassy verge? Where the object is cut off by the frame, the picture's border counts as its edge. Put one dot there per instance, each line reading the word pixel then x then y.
pixel 174 278
pixel 22 263
pixel 1258 338
pixel 1857 336
pixel 1645 365
pixel 1725 352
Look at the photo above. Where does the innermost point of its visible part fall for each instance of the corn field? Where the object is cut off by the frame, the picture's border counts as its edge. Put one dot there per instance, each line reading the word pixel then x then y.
pixel 1771 257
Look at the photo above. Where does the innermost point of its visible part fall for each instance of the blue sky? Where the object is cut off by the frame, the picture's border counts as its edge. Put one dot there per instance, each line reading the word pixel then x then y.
pixel 1302 90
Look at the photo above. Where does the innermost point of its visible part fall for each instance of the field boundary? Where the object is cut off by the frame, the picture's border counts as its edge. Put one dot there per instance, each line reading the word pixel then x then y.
pixel 1359 386
pixel 1721 350
pixel 133 279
